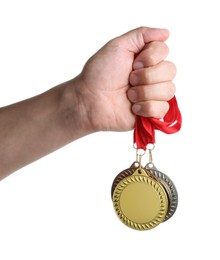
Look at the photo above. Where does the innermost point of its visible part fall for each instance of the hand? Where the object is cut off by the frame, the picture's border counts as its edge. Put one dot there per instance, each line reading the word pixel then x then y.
pixel 134 59
pixel 125 77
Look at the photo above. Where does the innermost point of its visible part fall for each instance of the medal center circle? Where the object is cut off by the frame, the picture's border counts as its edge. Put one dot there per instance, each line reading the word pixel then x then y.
pixel 140 202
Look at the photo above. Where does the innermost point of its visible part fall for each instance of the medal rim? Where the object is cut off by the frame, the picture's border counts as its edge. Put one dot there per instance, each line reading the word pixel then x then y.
pixel 123 174
pixel 158 187
pixel 172 192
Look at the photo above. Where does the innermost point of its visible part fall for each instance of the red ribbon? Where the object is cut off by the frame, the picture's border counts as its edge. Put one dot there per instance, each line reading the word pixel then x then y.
pixel 144 131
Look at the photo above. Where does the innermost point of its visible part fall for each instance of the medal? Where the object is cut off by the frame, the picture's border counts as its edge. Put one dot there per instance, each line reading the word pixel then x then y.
pixel 140 201
pixel 144 197
pixel 169 187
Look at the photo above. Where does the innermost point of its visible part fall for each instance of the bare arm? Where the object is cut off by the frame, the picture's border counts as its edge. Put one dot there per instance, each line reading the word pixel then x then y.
pixel 99 98
pixel 32 128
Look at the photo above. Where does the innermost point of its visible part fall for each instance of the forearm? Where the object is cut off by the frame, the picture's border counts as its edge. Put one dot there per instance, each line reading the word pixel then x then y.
pixel 40 125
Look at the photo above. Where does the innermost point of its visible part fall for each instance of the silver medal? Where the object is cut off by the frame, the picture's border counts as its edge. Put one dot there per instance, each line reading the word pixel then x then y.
pixel 169 187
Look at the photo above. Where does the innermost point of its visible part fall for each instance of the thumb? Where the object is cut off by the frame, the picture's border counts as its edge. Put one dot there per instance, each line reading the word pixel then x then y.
pixel 136 39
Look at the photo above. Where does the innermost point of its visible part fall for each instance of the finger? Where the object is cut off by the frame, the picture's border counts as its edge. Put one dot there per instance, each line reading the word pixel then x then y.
pixel 162 72
pixel 161 91
pixel 136 39
pixel 152 54
pixel 156 109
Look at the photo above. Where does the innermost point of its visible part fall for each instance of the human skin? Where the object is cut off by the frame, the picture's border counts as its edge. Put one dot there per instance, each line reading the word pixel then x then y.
pixel 128 76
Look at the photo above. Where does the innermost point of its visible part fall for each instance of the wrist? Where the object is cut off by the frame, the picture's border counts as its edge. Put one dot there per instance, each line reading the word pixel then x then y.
pixel 75 109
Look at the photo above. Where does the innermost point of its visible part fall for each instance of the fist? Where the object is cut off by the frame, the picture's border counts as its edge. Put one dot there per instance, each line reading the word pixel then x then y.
pixel 152 81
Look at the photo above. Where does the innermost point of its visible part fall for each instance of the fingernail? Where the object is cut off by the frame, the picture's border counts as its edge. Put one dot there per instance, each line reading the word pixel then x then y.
pixel 132 95
pixel 138 65
pixel 136 108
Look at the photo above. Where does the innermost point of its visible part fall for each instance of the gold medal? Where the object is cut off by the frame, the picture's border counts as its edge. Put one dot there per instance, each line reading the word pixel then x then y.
pixel 143 197
pixel 139 200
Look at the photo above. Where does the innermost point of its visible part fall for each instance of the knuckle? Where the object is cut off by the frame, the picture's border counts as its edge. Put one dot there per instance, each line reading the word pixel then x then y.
pixel 172 68
pixel 165 47
pixel 160 47
pixel 147 76
pixel 152 109
pixel 157 109
pixel 151 58
pixel 171 90
pixel 156 51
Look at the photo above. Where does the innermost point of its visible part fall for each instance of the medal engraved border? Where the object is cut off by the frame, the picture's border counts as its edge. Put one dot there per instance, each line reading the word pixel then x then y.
pixel 162 197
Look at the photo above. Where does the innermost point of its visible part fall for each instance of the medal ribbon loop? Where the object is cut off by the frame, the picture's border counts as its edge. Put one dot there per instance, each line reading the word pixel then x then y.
pixel 144 131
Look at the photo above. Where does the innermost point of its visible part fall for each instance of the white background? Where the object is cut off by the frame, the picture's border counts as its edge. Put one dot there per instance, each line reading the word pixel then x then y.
pixel 60 206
